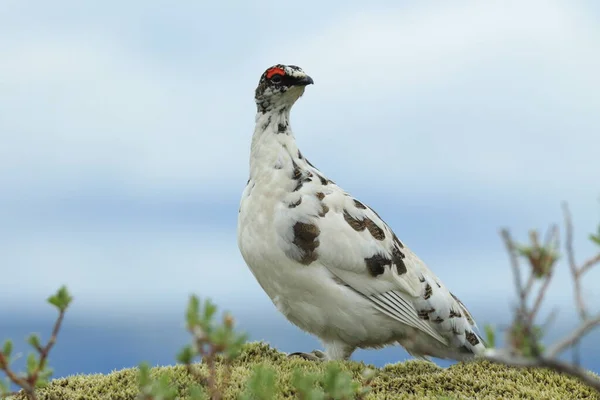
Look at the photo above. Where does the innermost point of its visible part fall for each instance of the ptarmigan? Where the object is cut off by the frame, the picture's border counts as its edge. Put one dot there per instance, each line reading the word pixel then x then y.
pixel 327 261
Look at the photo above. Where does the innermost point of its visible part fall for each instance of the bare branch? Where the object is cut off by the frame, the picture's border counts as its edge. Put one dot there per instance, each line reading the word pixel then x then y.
pixel 12 376
pixel 574 336
pixel 551 242
pixel 572 264
pixel 514 262
pixel 528 286
pixel 523 348
pixel 540 297
pixel 588 265
pixel 543 362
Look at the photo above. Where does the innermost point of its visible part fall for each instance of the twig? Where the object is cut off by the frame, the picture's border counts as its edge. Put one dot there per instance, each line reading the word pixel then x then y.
pixel 528 286
pixel 514 262
pixel 12 376
pixel 588 265
pixel 208 357
pixel 28 383
pixel 46 349
pixel 540 297
pixel 542 292
pixel 573 337
pixel 575 272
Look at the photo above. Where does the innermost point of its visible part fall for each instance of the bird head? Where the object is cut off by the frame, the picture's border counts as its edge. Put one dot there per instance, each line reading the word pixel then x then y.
pixel 280 86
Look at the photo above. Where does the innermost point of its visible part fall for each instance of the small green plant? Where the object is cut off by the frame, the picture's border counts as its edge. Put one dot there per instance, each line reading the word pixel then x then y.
pixel 261 385
pixel 210 341
pixel 215 342
pixel 154 389
pixel 334 384
pixel 37 371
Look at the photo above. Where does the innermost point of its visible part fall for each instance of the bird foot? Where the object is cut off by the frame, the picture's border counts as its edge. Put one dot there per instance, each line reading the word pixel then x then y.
pixel 315 355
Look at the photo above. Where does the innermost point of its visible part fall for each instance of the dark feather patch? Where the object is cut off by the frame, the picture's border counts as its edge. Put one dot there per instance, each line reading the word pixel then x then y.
pixel 397 257
pixel 472 338
pixel 360 205
pixel 428 291
pixel 376 264
pixel 423 315
pixel 356 224
pixel 266 124
pixel 398 242
pixel 467 314
pixel 281 128
pixel 296 204
pixel 455 314
pixel 320 195
pixel 375 230
pixel 297 173
pixel 306 238
pixel 324 210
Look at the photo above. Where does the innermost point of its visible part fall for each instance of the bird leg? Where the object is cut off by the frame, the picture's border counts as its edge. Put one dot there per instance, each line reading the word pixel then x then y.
pixel 315 355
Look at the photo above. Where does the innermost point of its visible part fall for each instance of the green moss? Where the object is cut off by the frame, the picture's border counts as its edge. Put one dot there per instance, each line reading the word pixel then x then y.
pixel 405 380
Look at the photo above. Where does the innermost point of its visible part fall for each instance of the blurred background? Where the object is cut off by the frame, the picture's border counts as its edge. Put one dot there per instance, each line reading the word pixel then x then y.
pixel 124 140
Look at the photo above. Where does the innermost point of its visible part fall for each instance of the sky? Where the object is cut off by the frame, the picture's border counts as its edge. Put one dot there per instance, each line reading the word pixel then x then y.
pixel 125 131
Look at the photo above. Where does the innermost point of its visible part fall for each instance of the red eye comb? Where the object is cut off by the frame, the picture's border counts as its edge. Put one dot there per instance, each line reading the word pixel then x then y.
pixel 274 71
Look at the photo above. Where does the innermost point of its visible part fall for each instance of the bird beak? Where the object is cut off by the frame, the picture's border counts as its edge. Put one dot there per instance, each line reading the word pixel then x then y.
pixel 304 81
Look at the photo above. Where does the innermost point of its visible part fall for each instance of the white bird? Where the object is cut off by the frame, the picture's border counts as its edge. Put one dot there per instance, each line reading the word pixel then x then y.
pixel 328 262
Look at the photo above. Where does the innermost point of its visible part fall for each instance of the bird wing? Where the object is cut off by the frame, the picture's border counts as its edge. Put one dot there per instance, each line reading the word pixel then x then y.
pixel 328 226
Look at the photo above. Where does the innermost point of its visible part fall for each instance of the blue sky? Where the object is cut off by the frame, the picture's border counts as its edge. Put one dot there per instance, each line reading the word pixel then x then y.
pixel 125 132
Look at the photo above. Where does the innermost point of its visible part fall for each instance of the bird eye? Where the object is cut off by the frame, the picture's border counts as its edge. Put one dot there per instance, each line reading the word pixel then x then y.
pixel 276 78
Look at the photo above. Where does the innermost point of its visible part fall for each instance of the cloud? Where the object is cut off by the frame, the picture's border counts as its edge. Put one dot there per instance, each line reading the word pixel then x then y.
pixel 488 112
pixel 452 97
pixel 123 269
pixel 496 95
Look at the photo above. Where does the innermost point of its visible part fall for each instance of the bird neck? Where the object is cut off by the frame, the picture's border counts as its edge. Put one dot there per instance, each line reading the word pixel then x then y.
pixel 273 143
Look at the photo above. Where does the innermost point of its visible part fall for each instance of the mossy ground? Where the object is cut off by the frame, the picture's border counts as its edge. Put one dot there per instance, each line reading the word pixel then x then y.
pixel 405 380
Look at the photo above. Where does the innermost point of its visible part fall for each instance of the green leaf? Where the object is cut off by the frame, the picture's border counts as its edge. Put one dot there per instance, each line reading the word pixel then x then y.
pixel 490 335
pixel 196 392
pixel 160 389
pixel 61 299
pixel 338 384
pixel 193 311
pixel 261 385
pixel 163 389
pixel 209 311
pixel 34 340
pixel 305 385
pixel 44 378
pixel 7 348
pixel 186 355
pixel 143 374
pixel 32 363
pixel 596 238
pixel 4 387
pixel 235 346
